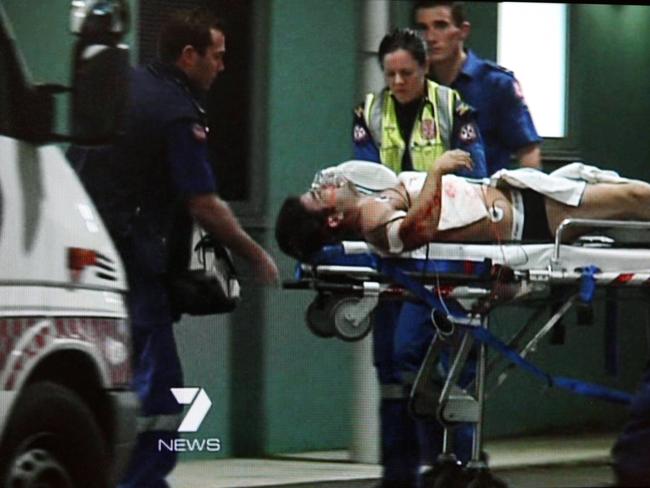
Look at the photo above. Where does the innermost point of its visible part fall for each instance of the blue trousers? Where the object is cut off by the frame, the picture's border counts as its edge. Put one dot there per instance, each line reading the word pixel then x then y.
pixel 402 333
pixel 631 452
pixel 156 369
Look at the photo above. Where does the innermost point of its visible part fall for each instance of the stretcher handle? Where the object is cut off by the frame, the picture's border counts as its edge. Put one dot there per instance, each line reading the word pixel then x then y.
pixel 610 224
pixel 311 285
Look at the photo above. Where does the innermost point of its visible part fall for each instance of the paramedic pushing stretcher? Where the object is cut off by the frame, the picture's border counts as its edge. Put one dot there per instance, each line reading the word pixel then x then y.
pixel 407 126
pixel 148 187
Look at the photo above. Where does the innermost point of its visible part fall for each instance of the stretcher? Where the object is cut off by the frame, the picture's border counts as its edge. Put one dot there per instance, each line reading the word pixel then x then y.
pixel 462 283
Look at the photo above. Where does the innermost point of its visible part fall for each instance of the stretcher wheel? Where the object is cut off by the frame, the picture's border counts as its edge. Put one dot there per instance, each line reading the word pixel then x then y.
pixel 344 314
pixel 318 318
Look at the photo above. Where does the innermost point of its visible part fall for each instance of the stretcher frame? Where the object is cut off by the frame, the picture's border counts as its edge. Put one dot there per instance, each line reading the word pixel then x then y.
pixel 355 290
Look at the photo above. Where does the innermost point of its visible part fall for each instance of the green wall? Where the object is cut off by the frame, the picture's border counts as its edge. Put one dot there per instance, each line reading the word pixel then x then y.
pixel 612 75
pixel 312 66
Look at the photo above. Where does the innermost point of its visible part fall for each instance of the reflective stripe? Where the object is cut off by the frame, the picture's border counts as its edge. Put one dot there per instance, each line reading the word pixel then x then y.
pixel 446 103
pixel 165 423
pixel 372 114
pixel 393 391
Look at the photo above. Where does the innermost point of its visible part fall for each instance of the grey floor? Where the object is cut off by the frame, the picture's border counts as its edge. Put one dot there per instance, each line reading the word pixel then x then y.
pixel 536 462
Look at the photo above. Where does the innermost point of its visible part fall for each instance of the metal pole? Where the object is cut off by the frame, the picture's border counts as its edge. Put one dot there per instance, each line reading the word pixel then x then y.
pixel 364 446
pixel 477 443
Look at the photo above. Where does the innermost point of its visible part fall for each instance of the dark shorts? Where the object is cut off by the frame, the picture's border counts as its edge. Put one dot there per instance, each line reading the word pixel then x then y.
pixel 535 219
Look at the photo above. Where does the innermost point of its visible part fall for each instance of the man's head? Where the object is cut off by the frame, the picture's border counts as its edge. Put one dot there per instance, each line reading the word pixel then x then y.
pixel 403 58
pixel 444 28
pixel 318 217
pixel 194 41
pixel 300 232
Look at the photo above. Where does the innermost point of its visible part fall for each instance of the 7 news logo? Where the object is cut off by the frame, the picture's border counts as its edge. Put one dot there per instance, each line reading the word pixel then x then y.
pixel 200 405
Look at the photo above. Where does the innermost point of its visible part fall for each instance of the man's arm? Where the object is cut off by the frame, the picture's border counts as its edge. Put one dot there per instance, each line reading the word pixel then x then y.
pixel 215 216
pixel 421 222
pixel 515 124
pixel 530 156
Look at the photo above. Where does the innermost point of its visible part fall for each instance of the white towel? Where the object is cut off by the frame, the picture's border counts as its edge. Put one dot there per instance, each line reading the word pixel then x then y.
pixel 588 173
pixel 558 188
pixel 565 185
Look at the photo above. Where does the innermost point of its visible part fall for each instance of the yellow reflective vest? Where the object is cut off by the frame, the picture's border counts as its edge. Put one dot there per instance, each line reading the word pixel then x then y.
pixel 432 130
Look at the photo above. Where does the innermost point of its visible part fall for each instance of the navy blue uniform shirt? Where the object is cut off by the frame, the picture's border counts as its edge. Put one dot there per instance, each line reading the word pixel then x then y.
pixel 501 111
pixel 141 184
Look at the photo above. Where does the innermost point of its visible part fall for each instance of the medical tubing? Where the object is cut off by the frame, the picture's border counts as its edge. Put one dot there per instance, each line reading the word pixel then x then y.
pixel 485 336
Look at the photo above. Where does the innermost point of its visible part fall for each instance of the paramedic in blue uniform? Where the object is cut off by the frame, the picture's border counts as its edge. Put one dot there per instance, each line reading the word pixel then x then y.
pixel 502 114
pixel 407 126
pixel 159 179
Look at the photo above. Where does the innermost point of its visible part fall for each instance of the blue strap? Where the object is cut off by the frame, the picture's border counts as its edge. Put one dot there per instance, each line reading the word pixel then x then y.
pixel 592 390
pixel 588 283
pixel 576 386
pixel 485 336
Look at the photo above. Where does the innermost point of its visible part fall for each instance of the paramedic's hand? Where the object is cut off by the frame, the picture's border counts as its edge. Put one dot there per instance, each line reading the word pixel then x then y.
pixel 453 161
pixel 266 271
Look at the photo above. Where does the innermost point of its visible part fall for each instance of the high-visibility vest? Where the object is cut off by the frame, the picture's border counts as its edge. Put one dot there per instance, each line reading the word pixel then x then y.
pixel 431 134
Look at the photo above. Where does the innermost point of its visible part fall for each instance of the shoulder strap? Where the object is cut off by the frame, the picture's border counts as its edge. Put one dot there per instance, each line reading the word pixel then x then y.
pixel 372 112
pixel 445 102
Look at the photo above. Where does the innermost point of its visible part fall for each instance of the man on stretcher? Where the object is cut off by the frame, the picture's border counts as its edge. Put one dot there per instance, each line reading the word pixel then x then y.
pixel 514 205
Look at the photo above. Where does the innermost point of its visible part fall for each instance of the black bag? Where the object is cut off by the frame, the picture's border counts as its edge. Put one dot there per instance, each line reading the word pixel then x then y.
pixel 212 287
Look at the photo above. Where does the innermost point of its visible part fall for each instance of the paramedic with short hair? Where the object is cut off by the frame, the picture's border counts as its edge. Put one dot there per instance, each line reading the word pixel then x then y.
pixel 502 114
pixel 158 179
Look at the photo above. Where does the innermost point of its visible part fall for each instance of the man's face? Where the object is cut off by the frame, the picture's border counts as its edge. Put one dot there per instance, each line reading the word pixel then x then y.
pixel 444 38
pixel 203 69
pixel 404 76
pixel 325 197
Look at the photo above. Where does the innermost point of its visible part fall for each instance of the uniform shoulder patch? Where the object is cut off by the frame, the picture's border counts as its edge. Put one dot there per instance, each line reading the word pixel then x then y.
pixel 359 134
pixel 468 133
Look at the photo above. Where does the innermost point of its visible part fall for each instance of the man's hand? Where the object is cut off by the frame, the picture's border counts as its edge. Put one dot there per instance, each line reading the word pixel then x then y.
pixel 215 216
pixel 453 161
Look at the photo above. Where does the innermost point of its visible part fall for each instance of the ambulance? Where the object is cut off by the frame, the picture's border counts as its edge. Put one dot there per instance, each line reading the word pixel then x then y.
pixel 67 415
